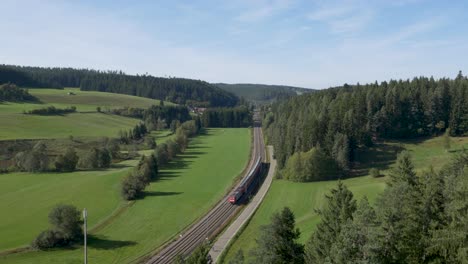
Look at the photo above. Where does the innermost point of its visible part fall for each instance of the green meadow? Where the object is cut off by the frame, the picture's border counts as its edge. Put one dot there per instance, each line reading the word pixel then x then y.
pixel 188 187
pixel 87 122
pixel 303 198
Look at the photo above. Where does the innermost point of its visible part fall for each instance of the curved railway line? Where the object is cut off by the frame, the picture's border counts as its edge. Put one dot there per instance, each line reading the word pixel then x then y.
pixel 214 220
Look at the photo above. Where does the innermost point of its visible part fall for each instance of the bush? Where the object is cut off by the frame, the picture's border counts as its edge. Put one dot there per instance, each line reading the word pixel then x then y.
pixel 105 158
pixel 132 186
pixel 150 142
pixel 48 239
pixel 162 154
pixel 95 158
pixel 374 172
pixel 67 161
pixel 66 222
pixel 89 160
pixel 36 160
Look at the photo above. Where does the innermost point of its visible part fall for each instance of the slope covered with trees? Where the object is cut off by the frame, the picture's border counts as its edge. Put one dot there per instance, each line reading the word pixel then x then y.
pixel 262 92
pixel 177 90
pixel 227 117
pixel 337 121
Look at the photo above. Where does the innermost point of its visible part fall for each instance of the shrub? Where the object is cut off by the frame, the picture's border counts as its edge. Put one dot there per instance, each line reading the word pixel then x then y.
pixel 35 160
pixel 66 223
pixel 67 161
pixel 67 220
pixel 132 187
pixel 48 239
pixel 95 158
pixel 105 158
pixel 162 154
pixel 150 142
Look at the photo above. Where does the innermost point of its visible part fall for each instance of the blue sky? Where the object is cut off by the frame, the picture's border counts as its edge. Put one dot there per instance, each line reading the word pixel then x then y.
pixel 314 44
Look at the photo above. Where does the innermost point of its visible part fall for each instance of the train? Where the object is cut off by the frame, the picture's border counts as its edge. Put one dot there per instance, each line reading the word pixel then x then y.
pixel 248 183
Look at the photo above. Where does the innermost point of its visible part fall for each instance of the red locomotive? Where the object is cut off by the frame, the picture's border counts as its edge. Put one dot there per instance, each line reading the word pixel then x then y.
pixel 247 183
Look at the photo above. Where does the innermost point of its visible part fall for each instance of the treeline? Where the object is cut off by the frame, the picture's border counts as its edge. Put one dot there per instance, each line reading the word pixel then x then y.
pixel 10 92
pixel 140 177
pixel 177 90
pixel 134 184
pixel 137 133
pixel 262 92
pixel 227 117
pixel 338 121
pixel 155 117
pixel 417 219
pixel 52 110
pixel 38 159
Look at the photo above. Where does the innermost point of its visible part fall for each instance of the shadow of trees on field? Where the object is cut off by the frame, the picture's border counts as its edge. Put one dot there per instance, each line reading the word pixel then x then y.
pixel 153 193
pixel 100 242
pixel 380 156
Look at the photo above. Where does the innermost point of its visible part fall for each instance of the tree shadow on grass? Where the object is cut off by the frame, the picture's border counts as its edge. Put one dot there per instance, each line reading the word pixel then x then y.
pixel 120 166
pixel 381 156
pixel 100 242
pixel 151 193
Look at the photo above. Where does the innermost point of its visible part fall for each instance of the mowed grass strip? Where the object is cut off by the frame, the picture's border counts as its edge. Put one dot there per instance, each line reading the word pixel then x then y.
pixel 188 188
pixel 303 198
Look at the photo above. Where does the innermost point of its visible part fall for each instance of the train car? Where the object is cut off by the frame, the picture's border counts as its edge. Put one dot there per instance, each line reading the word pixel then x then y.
pixel 247 183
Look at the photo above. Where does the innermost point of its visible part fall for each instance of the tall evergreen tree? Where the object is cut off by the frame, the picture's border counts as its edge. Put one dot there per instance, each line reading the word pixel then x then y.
pixel 339 208
pixel 277 242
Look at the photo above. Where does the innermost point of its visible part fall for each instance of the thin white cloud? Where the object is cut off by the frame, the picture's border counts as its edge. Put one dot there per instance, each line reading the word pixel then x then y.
pixel 343 17
pixel 259 10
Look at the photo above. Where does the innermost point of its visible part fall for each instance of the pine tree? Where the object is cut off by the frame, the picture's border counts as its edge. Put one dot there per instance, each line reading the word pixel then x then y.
pixel 403 171
pixel 339 208
pixel 353 243
pixel 277 242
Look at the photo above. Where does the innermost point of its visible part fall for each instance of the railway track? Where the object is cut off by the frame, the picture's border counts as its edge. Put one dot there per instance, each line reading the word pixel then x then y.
pixel 212 222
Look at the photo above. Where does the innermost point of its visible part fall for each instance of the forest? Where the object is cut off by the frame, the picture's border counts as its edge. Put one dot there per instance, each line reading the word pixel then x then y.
pixel 339 120
pixel 227 117
pixel 417 219
pixel 261 93
pixel 177 90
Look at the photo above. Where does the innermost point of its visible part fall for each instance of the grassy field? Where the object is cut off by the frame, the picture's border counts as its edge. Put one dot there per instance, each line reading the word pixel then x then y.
pixel 18 189
pixel 19 126
pixel 303 198
pixel 86 123
pixel 188 187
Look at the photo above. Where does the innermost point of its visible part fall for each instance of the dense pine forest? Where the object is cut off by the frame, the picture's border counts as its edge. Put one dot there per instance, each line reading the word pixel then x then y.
pixel 177 90
pixel 417 219
pixel 335 122
pixel 227 117
pixel 262 93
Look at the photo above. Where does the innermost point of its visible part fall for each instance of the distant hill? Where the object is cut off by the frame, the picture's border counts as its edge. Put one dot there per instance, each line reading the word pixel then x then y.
pixel 262 92
pixel 176 90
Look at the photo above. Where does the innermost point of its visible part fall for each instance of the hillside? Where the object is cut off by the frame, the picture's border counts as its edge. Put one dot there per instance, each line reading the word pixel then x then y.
pixel 86 122
pixel 262 93
pixel 177 90
pixel 305 198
